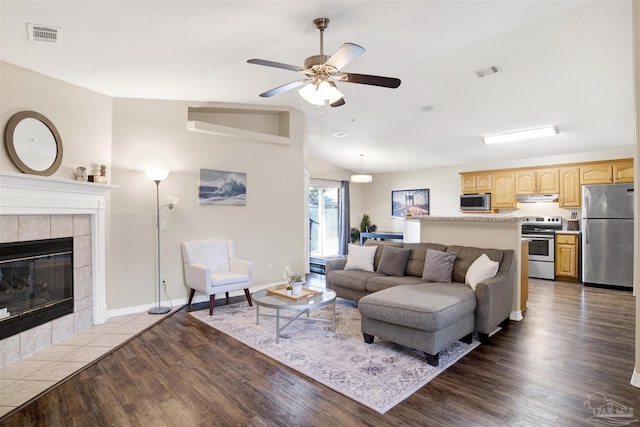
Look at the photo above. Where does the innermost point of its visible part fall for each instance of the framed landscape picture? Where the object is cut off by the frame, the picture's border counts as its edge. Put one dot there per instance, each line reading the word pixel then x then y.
pixel 222 188
pixel 414 201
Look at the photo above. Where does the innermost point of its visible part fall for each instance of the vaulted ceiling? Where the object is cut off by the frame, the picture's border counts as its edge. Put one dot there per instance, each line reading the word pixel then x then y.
pixel 563 63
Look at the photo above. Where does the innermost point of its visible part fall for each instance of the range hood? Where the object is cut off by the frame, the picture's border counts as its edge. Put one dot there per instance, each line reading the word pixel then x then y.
pixel 537 198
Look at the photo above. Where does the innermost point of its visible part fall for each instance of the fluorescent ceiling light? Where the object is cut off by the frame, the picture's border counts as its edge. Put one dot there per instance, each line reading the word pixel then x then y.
pixel 518 136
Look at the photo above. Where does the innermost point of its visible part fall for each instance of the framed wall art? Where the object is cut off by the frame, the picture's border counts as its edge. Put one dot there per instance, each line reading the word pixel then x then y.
pixel 222 188
pixel 410 202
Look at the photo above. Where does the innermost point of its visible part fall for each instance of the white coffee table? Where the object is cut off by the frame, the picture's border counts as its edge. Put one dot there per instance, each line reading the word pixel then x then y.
pixel 323 297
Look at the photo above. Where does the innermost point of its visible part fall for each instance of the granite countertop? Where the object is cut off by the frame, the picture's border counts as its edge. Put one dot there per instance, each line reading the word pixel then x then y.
pixel 568 232
pixel 514 219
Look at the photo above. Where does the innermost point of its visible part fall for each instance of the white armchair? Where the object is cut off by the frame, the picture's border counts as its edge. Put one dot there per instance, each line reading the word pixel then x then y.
pixel 210 267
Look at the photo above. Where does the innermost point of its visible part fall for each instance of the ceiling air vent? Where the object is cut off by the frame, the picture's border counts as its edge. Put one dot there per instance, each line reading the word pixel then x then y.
pixel 484 72
pixel 44 33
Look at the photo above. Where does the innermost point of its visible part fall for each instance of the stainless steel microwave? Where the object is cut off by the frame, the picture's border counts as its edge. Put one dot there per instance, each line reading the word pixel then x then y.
pixel 475 202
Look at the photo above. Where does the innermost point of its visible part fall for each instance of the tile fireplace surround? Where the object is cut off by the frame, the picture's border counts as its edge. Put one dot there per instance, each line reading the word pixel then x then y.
pixel 34 207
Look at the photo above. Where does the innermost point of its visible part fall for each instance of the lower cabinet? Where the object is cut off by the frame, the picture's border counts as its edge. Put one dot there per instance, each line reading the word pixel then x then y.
pixel 567 257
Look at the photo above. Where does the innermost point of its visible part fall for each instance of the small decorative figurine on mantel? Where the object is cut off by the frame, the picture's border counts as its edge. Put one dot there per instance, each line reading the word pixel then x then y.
pixel 81 173
pixel 102 178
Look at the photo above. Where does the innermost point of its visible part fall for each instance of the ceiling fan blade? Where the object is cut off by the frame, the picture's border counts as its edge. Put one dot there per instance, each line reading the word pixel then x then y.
pixel 338 103
pixel 347 53
pixel 274 64
pixel 284 88
pixel 365 79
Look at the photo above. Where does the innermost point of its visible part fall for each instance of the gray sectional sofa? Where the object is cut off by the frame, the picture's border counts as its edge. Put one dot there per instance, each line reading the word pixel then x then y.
pixel 422 314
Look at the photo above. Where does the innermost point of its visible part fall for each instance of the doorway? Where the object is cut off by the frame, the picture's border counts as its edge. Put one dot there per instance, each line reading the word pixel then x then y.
pixel 324 223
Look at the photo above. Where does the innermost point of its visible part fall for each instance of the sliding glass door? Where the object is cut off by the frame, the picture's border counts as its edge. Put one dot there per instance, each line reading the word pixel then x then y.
pixel 324 218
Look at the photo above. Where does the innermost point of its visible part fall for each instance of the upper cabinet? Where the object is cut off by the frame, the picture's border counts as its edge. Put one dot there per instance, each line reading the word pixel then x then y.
pixel 476 182
pixel 596 173
pixel 548 181
pixel 570 195
pixel 503 195
pixel 537 181
pixel 623 171
pixel 607 172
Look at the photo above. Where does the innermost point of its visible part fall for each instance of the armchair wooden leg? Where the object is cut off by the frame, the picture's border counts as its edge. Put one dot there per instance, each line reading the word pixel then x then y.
pixel 212 298
pixel 226 295
pixel 191 294
pixel 248 295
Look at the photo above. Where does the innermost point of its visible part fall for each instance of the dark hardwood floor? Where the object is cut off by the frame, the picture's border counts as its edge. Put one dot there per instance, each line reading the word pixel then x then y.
pixel 574 341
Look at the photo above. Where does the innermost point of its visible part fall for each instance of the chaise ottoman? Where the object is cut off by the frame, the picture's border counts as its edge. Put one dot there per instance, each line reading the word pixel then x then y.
pixel 427 316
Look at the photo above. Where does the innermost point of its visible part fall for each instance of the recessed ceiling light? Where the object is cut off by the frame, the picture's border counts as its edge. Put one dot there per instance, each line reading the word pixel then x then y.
pixel 341 134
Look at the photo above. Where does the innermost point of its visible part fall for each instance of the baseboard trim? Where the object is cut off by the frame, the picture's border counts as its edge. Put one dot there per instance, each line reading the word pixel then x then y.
pixel 516 316
pixel 179 302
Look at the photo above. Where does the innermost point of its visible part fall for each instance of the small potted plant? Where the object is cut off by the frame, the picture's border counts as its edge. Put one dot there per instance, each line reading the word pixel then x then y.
pixel 289 289
pixel 294 281
pixel 296 284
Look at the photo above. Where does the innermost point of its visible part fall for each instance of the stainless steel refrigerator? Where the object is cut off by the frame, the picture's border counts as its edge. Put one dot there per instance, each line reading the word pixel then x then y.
pixel 607 235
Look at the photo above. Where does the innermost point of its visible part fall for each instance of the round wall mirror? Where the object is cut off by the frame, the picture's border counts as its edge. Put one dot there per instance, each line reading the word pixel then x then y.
pixel 33 143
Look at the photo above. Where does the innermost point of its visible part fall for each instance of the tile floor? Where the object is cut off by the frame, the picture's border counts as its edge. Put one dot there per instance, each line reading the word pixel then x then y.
pixel 26 378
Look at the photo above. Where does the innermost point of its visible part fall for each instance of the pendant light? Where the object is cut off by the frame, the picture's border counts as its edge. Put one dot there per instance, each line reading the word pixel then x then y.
pixel 361 177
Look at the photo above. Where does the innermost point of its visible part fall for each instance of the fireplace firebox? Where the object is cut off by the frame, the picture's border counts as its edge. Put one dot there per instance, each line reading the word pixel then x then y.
pixel 36 283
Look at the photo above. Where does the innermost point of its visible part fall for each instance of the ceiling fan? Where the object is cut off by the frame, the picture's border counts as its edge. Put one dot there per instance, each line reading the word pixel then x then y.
pixel 320 71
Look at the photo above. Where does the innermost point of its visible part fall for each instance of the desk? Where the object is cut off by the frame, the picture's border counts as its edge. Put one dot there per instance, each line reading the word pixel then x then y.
pixel 396 235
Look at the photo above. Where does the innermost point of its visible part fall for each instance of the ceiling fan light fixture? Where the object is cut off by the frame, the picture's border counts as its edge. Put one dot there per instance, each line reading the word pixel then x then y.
pixel 321 93
pixel 521 135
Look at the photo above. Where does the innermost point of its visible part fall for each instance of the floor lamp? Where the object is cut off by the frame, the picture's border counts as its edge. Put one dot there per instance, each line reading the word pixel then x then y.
pixel 157 176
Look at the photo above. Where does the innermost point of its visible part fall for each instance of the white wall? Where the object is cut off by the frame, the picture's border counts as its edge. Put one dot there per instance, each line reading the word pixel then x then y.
pixel 82 117
pixel 270 229
pixel 444 188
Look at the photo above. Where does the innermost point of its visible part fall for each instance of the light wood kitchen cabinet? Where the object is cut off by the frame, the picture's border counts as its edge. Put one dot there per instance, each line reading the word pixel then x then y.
pixel 623 171
pixel 476 183
pixel 548 181
pixel 570 191
pixel 526 182
pixel 565 180
pixel 596 173
pixel 567 249
pixel 503 195
pixel 537 181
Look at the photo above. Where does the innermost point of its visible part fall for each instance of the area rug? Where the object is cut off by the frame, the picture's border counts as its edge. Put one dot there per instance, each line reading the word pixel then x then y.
pixel 379 375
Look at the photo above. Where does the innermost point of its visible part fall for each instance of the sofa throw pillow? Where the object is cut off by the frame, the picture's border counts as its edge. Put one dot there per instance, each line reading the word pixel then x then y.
pixel 360 257
pixel 481 269
pixel 438 266
pixel 393 261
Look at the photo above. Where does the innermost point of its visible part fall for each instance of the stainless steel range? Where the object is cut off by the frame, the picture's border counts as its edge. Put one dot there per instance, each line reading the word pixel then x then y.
pixel 541 230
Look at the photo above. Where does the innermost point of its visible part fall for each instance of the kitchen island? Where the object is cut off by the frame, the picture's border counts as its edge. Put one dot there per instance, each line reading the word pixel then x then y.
pixel 499 232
